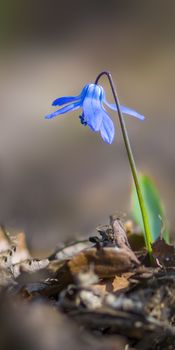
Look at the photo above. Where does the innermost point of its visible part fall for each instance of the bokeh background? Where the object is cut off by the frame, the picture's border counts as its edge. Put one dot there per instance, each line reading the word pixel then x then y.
pixel 57 178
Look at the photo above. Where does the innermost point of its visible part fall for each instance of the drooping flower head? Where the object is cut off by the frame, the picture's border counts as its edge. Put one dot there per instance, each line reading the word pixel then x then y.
pixel 92 100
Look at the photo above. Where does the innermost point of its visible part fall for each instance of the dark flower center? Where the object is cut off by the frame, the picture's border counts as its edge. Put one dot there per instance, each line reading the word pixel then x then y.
pixel 82 120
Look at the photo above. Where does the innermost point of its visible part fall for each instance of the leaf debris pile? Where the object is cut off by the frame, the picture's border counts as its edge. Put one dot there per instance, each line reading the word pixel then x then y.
pixel 100 289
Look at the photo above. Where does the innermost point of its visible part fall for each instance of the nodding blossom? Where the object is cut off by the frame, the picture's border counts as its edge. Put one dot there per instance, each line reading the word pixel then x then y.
pixel 92 101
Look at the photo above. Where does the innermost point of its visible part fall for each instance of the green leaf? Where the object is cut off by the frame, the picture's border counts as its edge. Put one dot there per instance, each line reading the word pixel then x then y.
pixel 154 208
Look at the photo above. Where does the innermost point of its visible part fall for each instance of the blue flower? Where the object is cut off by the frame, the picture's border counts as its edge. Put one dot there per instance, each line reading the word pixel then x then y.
pixel 92 100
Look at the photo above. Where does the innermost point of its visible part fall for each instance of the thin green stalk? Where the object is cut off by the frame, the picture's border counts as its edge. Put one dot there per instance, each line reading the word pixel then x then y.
pixel 148 237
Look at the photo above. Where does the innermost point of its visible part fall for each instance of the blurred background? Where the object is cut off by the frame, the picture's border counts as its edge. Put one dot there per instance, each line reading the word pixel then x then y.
pixel 57 178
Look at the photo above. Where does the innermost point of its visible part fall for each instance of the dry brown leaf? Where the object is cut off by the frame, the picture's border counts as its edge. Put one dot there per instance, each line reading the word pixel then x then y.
pixel 163 252
pixel 121 282
pixel 107 262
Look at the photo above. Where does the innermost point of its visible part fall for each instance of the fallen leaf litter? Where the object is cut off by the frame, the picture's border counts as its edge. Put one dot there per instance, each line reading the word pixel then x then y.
pixel 99 284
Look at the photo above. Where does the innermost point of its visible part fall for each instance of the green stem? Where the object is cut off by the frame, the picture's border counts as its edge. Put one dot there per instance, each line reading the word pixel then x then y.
pixel 148 237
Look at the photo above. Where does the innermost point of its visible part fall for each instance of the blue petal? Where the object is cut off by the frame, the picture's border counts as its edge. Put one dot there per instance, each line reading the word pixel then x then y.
pixel 71 107
pixel 125 110
pixel 67 99
pixel 64 100
pixel 84 91
pixel 132 112
pixel 107 129
pixel 92 108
